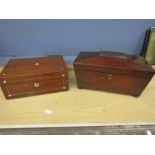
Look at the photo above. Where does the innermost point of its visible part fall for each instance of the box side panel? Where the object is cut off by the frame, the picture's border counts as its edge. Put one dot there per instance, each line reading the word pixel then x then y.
pixel 35 86
pixel 142 83
pixel 118 83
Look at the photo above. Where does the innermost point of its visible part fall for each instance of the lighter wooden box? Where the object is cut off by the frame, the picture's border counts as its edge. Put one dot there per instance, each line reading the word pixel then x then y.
pixel 34 76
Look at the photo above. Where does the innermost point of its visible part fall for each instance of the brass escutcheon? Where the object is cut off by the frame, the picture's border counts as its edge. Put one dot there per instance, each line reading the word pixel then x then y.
pixel 109 76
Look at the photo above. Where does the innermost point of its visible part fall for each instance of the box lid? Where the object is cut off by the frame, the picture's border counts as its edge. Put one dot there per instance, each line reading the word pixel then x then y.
pixel 33 66
pixel 115 61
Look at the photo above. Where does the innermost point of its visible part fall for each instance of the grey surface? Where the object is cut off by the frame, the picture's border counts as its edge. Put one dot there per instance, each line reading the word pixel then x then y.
pixel 102 130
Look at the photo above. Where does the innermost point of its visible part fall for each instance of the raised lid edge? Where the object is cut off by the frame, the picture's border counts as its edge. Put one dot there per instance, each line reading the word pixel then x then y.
pixel 81 66
pixel 95 52
pixel 77 61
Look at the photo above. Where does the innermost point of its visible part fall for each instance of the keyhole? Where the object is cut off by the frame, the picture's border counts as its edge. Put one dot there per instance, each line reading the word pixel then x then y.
pixel 109 77
pixel 36 84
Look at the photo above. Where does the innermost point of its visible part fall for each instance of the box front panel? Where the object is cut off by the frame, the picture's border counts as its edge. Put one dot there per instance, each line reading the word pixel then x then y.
pixel 13 89
pixel 119 83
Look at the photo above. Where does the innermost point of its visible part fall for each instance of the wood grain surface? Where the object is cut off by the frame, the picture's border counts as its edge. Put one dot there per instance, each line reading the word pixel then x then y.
pixel 78 106
pixel 112 72
pixel 34 76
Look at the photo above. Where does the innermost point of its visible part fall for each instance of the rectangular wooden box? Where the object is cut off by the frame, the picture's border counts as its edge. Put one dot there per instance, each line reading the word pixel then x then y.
pixel 34 76
pixel 112 71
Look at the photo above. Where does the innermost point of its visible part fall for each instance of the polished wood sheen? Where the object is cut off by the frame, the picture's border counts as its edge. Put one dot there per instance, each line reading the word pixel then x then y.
pixel 34 76
pixel 112 71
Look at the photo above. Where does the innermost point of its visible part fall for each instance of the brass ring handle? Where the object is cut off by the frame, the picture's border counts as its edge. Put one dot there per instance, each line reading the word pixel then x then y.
pixel 109 76
pixel 36 85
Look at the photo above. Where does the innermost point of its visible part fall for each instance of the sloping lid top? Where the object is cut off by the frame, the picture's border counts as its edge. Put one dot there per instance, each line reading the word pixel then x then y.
pixel 107 59
pixel 32 66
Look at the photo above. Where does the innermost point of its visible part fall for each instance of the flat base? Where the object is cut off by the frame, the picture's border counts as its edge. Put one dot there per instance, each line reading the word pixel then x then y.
pixel 81 87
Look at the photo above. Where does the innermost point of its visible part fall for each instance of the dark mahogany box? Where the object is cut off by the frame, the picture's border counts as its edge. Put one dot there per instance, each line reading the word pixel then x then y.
pixel 34 76
pixel 112 71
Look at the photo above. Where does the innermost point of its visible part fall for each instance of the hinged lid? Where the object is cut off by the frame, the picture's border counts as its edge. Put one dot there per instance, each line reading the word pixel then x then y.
pixel 33 66
pixel 115 61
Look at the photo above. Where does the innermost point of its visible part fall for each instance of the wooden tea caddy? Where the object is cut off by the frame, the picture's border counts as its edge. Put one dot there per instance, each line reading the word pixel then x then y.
pixel 112 71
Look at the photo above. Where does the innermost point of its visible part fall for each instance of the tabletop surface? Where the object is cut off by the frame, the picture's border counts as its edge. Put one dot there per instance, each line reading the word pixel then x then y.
pixel 78 106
